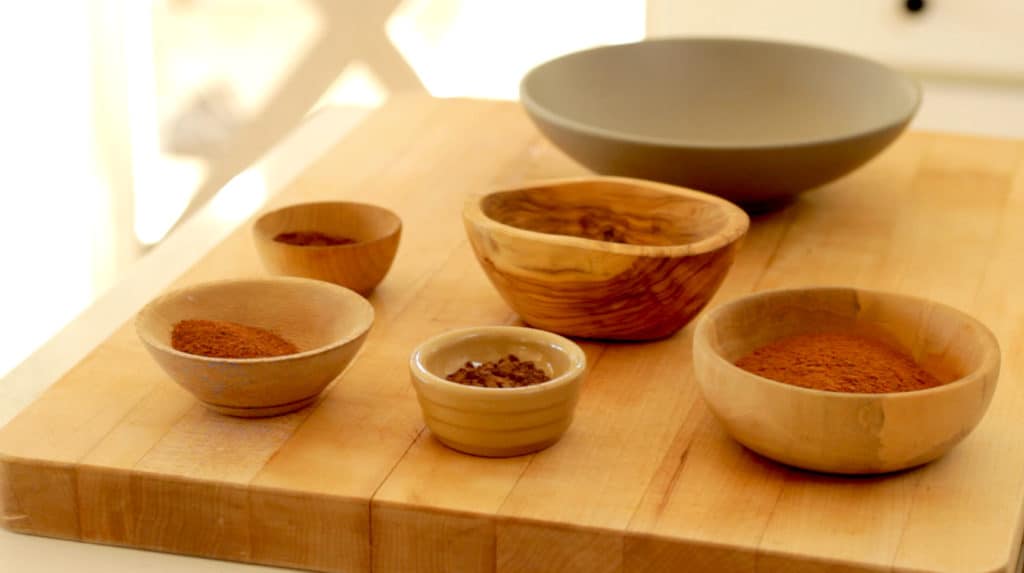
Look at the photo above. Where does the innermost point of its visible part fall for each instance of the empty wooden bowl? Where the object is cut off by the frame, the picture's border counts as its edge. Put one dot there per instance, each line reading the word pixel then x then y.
pixel 497 422
pixel 326 322
pixel 840 432
pixel 753 121
pixel 604 257
pixel 359 266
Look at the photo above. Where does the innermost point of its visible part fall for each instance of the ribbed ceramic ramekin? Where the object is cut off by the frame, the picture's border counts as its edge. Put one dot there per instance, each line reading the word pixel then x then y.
pixel 497 422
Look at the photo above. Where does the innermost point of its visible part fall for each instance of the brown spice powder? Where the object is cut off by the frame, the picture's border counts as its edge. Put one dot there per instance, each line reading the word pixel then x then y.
pixel 838 362
pixel 312 239
pixel 508 372
pixel 223 339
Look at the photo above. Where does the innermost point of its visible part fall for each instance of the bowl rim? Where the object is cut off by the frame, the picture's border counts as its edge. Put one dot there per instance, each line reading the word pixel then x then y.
pixel 180 291
pixel 534 107
pixel 262 235
pixel 577 360
pixel 989 362
pixel 734 227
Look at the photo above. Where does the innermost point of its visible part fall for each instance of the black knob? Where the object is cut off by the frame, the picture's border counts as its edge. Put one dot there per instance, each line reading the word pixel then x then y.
pixel 914 6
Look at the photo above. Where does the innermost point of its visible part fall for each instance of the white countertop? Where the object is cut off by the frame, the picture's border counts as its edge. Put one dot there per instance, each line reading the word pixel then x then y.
pixel 947 107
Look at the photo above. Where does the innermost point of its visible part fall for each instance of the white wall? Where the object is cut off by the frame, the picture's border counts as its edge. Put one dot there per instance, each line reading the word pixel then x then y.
pixel 968 55
pixel 981 38
pixel 56 221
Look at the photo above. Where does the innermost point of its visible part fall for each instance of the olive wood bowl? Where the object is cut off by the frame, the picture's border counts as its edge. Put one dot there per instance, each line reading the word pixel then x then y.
pixel 840 432
pixel 326 322
pixel 497 422
pixel 359 266
pixel 533 243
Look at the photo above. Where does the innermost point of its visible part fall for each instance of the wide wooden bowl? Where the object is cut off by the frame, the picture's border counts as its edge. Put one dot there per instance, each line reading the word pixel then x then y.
pixel 841 432
pixel 497 422
pixel 359 266
pixel 326 322
pixel 549 248
pixel 753 121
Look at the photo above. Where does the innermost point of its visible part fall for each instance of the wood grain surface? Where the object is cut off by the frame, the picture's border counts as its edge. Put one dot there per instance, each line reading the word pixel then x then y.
pixel 840 432
pixel 605 258
pixel 645 480
pixel 359 266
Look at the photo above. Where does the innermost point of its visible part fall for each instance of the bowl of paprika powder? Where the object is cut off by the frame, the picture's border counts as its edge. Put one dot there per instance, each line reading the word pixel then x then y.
pixel 845 380
pixel 255 347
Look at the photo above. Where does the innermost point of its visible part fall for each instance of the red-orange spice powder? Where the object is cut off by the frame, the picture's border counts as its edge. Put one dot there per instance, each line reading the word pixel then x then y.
pixel 223 339
pixel 838 362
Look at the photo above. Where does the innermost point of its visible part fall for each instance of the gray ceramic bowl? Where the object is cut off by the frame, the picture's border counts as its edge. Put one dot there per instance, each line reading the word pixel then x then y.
pixel 755 122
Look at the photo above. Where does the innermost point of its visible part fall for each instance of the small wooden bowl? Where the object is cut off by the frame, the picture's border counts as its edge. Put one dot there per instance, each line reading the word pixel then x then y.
pixel 840 432
pixel 535 244
pixel 359 266
pixel 328 323
pixel 497 422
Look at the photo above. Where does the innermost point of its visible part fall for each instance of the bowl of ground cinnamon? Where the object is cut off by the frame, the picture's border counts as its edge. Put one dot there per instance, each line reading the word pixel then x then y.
pixel 497 391
pixel 845 380
pixel 346 243
pixel 255 347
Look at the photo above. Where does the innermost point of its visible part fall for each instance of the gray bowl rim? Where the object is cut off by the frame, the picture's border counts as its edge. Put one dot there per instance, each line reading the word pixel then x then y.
pixel 535 108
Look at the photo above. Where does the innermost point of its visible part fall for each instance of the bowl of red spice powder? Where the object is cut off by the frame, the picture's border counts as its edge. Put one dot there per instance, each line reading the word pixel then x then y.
pixel 498 391
pixel 845 380
pixel 255 347
pixel 343 242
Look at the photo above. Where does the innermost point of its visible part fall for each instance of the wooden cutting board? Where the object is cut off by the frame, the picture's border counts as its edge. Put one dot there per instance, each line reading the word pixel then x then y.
pixel 644 481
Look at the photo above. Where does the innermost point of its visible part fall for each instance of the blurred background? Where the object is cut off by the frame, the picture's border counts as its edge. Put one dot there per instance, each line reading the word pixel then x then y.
pixel 123 118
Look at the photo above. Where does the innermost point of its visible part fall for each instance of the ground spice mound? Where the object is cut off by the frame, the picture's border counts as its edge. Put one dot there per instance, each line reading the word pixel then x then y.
pixel 508 372
pixel 312 239
pixel 838 362
pixel 222 339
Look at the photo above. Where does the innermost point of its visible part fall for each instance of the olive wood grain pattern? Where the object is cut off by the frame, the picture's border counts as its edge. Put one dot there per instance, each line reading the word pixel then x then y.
pixel 645 480
pixel 605 257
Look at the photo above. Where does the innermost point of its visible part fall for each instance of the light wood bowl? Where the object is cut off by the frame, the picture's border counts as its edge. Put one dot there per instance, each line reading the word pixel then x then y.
pixel 528 241
pixel 359 266
pixel 840 432
pixel 326 322
pixel 497 422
